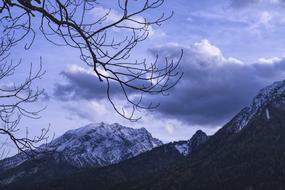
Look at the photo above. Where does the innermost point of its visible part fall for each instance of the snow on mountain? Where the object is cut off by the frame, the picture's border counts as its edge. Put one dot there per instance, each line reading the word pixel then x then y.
pixel 182 148
pixel 186 147
pixel 102 144
pixel 271 93
pixel 95 145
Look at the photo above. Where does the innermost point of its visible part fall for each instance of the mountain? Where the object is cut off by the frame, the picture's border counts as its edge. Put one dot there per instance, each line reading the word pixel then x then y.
pixel 273 94
pixel 102 144
pixel 142 167
pixel 248 153
pixel 94 145
pixel 187 147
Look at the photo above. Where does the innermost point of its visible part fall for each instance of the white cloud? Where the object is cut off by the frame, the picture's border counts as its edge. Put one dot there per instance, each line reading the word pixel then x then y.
pixel 271 60
pixel 75 68
pixel 211 82
pixel 205 52
pixel 205 48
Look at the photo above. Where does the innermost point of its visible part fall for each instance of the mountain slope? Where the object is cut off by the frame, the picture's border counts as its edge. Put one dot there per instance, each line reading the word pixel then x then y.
pixel 247 153
pixel 187 147
pixel 102 144
pixel 141 167
pixel 94 145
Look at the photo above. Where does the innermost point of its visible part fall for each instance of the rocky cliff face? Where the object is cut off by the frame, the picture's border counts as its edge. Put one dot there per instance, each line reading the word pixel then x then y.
pixel 186 147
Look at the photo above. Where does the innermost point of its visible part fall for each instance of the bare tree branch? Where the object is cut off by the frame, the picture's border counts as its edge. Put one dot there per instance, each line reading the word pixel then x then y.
pixel 15 99
pixel 79 26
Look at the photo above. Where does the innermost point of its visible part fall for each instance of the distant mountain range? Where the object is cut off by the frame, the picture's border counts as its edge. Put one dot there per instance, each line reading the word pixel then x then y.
pixel 247 153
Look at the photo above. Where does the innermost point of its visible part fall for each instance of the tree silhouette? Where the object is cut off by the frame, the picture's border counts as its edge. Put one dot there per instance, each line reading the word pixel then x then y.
pixel 15 99
pixel 109 55
pixel 78 24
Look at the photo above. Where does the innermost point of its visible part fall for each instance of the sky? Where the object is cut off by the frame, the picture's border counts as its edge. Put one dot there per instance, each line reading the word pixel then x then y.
pixel 232 49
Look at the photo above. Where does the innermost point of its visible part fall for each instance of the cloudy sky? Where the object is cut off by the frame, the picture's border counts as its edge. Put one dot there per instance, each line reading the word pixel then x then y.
pixel 232 48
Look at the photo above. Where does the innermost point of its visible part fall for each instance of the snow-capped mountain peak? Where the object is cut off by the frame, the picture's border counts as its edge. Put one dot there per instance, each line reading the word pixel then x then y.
pixel 271 92
pixel 96 145
pixel 267 95
pixel 102 144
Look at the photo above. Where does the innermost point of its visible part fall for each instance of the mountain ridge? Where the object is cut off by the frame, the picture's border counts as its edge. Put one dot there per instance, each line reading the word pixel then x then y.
pixel 263 97
pixel 94 145
pixel 247 153
pixel 251 157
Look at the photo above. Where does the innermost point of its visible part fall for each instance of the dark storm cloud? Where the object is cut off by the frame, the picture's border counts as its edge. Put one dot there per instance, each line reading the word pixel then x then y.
pixel 214 88
pixel 81 85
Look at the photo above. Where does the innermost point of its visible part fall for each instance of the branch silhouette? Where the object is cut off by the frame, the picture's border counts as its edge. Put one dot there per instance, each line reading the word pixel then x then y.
pixel 70 23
